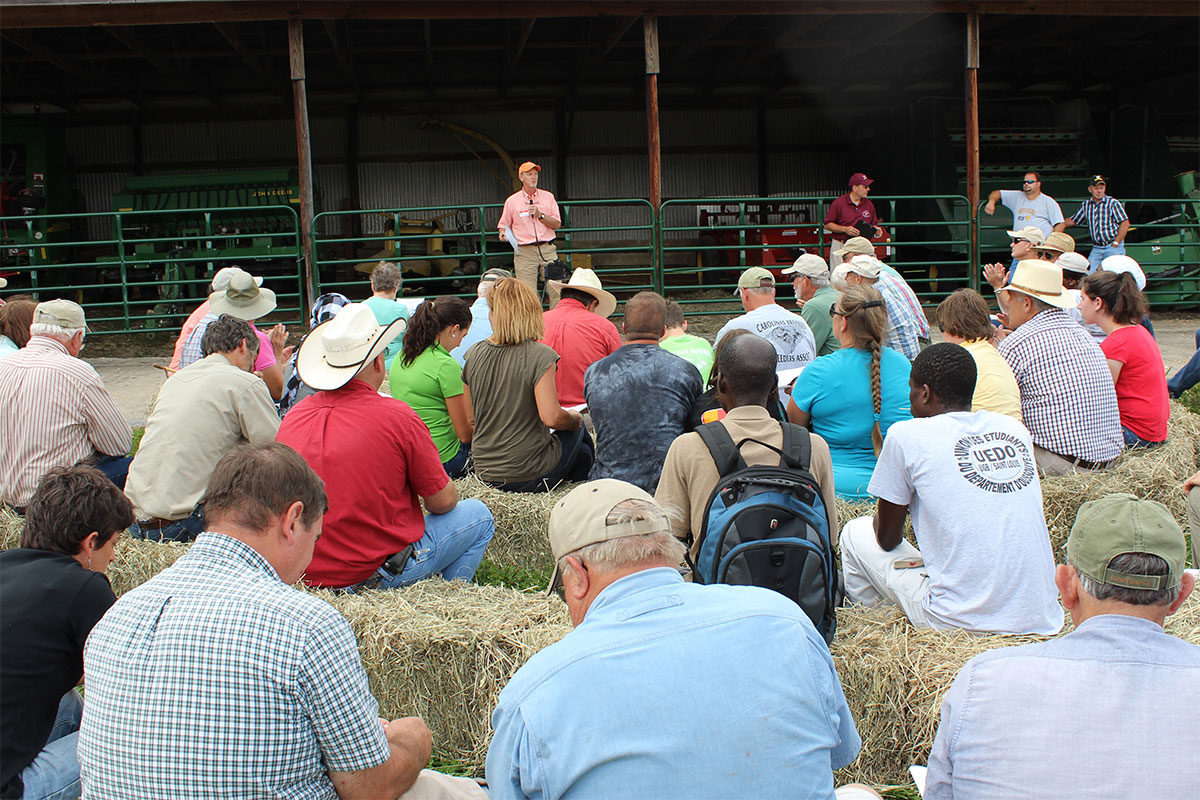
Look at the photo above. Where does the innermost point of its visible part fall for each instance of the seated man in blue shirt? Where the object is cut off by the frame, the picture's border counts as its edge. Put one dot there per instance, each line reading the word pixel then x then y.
pixel 665 688
pixel 1107 711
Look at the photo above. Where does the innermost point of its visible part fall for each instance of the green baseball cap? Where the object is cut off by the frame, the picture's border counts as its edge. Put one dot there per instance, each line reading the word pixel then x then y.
pixel 756 277
pixel 1120 523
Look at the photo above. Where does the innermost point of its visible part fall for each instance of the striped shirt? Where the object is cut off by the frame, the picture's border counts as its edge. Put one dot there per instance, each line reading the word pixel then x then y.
pixel 216 679
pixel 906 319
pixel 1068 402
pixel 1102 219
pixel 57 413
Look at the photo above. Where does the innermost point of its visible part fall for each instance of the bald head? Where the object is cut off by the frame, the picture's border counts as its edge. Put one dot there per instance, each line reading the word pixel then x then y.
pixel 746 372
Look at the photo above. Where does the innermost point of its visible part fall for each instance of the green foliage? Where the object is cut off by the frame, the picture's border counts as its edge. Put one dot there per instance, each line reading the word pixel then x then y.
pixel 138 432
pixel 1191 399
pixel 523 579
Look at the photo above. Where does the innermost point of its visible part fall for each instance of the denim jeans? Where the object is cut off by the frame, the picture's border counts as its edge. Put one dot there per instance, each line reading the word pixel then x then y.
pixel 458 464
pixel 115 468
pixel 1132 440
pixel 453 546
pixel 181 530
pixel 1101 252
pixel 1188 375
pixel 578 454
pixel 54 774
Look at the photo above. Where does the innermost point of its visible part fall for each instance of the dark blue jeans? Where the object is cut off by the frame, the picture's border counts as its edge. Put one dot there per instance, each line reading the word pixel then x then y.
pixel 181 530
pixel 458 464
pixel 578 453
pixel 1188 375
pixel 115 468
pixel 1133 441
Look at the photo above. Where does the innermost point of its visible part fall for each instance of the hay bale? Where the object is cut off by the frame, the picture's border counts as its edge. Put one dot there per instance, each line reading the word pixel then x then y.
pixel 443 651
pixel 11 525
pixel 894 677
pixel 521 538
pixel 1154 474
pixel 137 561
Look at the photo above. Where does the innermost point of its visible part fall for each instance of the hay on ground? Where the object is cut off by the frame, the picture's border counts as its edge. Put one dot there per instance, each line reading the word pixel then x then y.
pixel 443 651
pixel 895 676
pixel 521 538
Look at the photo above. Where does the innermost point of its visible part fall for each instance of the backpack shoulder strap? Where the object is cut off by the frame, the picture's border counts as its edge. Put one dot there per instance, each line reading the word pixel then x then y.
pixel 797 447
pixel 720 446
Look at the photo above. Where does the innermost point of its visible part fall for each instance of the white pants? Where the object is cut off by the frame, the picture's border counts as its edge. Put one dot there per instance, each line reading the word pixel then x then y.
pixel 432 785
pixel 835 254
pixel 870 576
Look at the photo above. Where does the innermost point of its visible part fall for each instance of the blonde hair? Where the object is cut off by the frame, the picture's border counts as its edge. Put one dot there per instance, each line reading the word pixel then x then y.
pixel 866 326
pixel 515 312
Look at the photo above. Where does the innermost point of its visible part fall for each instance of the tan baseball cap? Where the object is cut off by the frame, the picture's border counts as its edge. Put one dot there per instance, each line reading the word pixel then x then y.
pixel 1030 233
pixel 867 266
pixel 62 313
pixel 580 518
pixel 1121 523
pixel 808 264
pixel 860 245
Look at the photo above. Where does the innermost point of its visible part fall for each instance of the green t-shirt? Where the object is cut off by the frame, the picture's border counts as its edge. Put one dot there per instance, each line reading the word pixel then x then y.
pixel 386 312
pixel 694 349
pixel 425 384
pixel 816 314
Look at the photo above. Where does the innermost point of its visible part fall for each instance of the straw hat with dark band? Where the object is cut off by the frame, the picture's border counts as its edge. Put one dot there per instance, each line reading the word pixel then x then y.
pixel 1040 280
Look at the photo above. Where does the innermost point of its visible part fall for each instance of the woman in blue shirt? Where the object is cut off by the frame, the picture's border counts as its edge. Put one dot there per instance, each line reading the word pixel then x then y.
pixel 852 396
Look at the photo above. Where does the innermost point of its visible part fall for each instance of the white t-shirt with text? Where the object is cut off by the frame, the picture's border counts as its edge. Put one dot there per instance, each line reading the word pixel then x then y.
pixel 971 484
pixel 788 333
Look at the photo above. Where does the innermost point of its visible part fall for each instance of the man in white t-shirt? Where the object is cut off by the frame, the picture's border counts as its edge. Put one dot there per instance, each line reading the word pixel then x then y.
pixel 971 484
pixel 1028 206
pixel 788 333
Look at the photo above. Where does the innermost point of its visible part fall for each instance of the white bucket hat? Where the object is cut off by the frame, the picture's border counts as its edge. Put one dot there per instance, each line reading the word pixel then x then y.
pixel 585 280
pixel 242 298
pixel 220 281
pixel 334 351
pixel 1120 263
pixel 1040 280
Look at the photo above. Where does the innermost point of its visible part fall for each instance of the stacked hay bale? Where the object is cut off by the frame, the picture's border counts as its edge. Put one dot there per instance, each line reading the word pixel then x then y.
pixel 895 676
pixel 521 538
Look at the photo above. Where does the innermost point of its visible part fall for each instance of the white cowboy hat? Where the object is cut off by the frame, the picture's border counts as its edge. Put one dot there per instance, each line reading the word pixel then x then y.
pixel 1040 280
pixel 334 351
pixel 242 298
pixel 585 280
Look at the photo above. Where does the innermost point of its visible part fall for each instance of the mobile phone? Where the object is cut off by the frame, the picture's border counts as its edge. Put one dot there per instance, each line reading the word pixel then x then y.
pixel 908 563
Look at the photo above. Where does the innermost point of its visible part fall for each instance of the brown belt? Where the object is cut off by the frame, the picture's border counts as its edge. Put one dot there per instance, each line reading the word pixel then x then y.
pixel 1082 462
pixel 156 522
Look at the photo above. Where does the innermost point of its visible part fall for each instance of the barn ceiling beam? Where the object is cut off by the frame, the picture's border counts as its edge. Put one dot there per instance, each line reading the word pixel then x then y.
pixel 715 26
pixel 515 57
pixel 336 31
pixel 786 39
pixel 66 64
pixel 164 65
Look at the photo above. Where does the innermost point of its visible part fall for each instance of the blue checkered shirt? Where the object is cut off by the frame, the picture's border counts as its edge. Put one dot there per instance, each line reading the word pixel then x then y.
pixel 215 679
pixel 1102 219
pixel 1068 402
pixel 905 323
pixel 190 353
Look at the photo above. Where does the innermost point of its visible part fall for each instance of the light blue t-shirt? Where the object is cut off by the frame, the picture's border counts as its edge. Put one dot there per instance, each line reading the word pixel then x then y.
pixel 1042 213
pixel 835 390
pixel 386 312
pixel 674 689
pixel 481 328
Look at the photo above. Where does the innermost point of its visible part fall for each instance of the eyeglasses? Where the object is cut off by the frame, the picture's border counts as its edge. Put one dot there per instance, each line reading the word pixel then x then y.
pixel 1047 255
pixel 833 312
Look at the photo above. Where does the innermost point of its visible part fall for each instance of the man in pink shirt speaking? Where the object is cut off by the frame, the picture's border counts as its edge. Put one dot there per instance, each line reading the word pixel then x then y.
pixel 532 215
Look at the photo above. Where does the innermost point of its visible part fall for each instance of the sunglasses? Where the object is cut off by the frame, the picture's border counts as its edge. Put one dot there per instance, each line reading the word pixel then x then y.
pixel 1047 255
pixel 1029 181
pixel 869 304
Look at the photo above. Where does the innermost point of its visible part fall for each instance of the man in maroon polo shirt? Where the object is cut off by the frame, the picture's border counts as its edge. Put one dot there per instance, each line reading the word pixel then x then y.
pixel 846 212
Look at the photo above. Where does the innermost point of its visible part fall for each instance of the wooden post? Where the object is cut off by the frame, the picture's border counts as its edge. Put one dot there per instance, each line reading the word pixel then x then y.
pixel 304 157
pixel 650 29
pixel 972 104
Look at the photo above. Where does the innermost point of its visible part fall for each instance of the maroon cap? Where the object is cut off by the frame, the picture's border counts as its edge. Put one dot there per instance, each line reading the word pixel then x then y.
pixel 859 178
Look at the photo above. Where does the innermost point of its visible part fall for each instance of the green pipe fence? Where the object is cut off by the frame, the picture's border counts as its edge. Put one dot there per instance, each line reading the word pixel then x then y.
pixel 154 267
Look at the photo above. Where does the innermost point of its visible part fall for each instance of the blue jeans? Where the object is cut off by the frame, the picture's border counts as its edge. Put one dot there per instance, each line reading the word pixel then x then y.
pixel 1132 440
pixel 181 530
pixel 54 774
pixel 458 464
pixel 453 545
pixel 578 454
pixel 1099 253
pixel 115 468
pixel 1188 375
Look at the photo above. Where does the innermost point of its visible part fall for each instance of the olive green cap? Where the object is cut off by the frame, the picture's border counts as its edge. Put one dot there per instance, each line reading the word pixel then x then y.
pixel 1121 523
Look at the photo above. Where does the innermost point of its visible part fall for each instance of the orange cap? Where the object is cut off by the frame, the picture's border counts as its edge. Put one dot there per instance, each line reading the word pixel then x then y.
pixel 528 165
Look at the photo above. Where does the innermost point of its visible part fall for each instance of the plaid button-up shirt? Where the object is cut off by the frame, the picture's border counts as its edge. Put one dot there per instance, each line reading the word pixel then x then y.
pixel 1067 397
pixel 214 679
pixel 1102 219
pixel 906 319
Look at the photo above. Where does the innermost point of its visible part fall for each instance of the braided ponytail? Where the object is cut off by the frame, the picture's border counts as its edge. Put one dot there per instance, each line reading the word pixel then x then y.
pixel 876 395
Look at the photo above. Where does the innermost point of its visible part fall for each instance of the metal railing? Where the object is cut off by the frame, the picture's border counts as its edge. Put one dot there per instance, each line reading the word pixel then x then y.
pixel 1167 248
pixel 154 267
pixel 440 250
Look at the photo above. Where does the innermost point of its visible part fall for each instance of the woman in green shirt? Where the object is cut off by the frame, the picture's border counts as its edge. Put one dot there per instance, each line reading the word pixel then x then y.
pixel 428 378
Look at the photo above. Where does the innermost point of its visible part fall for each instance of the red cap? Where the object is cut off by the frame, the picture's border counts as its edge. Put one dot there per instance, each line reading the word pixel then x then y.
pixel 528 165
pixel 859 178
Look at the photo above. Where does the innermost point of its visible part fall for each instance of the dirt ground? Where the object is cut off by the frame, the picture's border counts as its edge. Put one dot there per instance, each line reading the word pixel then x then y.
pixel 134 381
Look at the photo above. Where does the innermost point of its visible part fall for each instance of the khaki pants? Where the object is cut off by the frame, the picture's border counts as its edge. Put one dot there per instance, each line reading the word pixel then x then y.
pixel 1053 464
pixel 529 263
pixel 432 785
pixel 835 254
pixel 870 575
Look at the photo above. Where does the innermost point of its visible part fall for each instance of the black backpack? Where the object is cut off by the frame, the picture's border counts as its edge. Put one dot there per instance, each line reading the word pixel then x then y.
pixel 766 526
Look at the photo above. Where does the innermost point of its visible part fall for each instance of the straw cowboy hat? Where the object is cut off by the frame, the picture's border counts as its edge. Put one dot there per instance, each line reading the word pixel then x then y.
pixel 334 351
pixel 242 298
pixel 1040 280
pixel 585 280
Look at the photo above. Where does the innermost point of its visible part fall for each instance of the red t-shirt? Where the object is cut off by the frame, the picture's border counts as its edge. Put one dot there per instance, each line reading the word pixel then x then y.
pixel 842 211
pixel 580 338
pixel 376 456
pixel 1142 384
